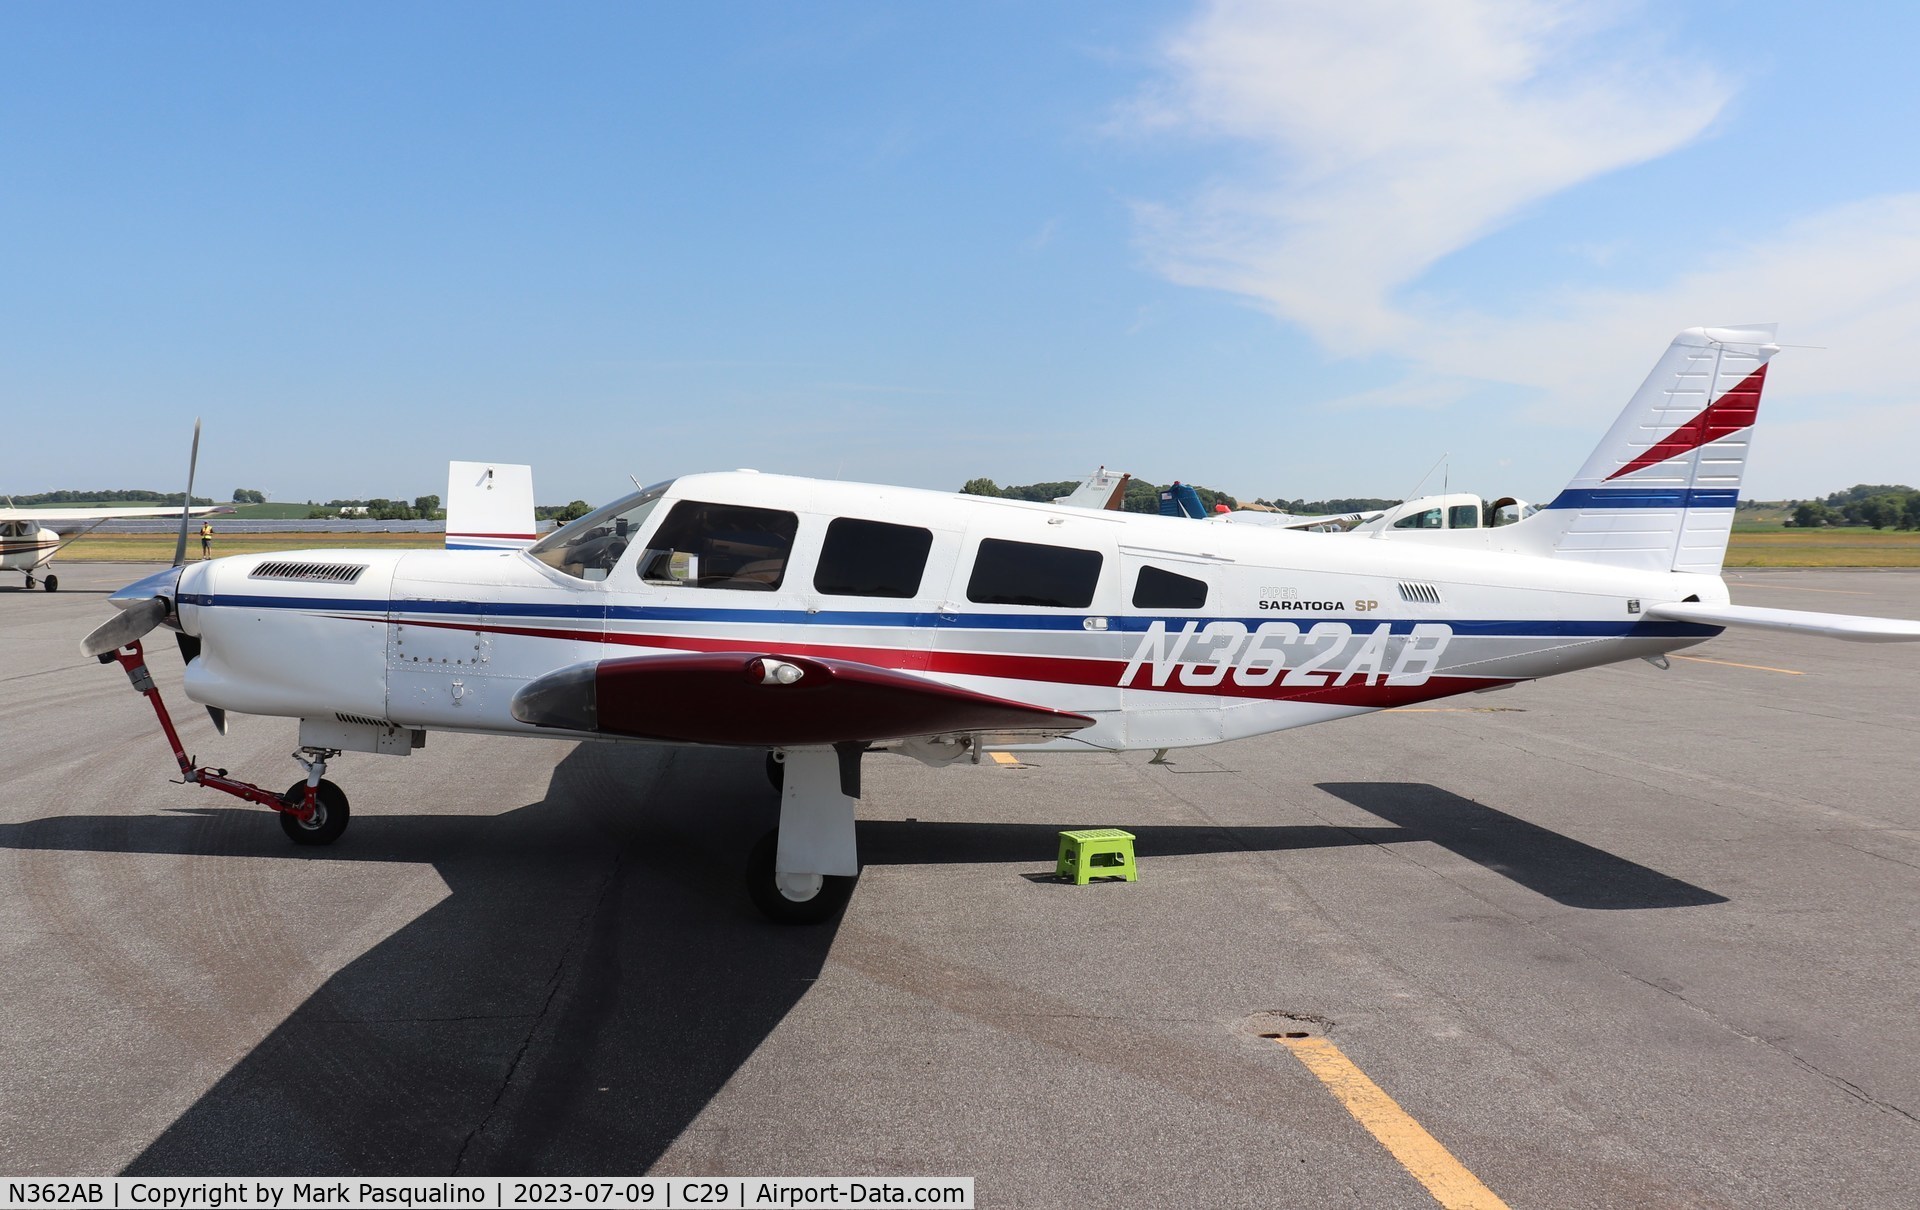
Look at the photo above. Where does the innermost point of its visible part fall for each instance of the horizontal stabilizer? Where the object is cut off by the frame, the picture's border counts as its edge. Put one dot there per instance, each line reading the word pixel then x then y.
pixel 768 701
pixel 1832 625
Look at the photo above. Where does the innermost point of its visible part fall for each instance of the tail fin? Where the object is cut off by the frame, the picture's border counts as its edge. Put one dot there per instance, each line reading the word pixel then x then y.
pixel 1104 489
pixel 1659 492
pixel 489 506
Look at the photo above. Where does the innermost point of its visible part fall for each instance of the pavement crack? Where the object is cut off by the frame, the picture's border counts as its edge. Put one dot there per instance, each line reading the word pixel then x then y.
pixel 582 929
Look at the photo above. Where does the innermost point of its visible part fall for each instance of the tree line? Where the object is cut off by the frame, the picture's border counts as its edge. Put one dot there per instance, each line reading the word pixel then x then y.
pixel 423 508
pixel 124 496
pixel 1881 505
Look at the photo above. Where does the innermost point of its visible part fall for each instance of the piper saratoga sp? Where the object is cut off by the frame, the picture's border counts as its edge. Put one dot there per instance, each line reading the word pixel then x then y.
pixel 826 621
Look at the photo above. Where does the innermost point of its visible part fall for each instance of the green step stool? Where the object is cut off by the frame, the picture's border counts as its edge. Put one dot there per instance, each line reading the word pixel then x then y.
pixel 1096 853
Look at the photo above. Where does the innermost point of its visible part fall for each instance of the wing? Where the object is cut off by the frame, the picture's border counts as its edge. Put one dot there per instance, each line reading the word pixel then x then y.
pixel 1831 625
pixel 60 520
pixel 763 701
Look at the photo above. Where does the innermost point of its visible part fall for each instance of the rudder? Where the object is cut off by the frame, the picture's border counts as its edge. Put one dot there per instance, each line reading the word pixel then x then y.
pixel 1658 494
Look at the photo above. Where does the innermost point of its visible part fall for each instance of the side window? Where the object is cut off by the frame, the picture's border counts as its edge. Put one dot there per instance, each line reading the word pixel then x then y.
pixel 1026 573
pixel 702 545
pixel 1156 589
pixel 1430 519
pixel 1463 516
pixel 872 559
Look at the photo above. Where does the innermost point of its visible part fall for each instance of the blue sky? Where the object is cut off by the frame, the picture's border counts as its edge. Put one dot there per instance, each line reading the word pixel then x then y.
pixel 1285 249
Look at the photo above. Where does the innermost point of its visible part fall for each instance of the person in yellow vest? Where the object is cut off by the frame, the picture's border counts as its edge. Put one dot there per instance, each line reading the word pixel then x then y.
pixel 206 539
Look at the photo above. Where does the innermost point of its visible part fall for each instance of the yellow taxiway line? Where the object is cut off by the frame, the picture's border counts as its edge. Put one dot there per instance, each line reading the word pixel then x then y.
pixel 1445 1177
pixel 1701 659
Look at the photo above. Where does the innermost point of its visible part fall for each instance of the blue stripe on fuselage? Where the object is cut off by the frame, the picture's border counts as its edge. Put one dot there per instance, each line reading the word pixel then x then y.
pixel 801 619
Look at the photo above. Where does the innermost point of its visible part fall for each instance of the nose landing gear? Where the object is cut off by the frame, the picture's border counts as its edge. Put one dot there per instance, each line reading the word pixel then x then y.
pixel 313 811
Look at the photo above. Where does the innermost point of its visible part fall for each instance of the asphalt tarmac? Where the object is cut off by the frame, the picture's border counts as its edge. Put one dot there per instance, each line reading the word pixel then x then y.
pixel 1623 938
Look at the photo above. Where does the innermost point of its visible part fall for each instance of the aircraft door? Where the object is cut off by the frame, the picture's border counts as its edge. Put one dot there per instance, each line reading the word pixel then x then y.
pixel 1178 652
pixel 1031 614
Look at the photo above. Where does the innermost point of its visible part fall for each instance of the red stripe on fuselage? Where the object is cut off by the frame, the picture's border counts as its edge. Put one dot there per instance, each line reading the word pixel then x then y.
pixel 1059 670
pixel 1733 411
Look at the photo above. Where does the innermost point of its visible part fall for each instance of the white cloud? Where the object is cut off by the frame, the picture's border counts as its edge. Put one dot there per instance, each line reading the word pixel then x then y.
pixel 1846 279
pixel 1383 135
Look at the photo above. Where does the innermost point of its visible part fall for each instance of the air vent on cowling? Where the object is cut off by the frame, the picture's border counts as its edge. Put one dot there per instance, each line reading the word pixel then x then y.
pixel 1426 594
pixel 323 573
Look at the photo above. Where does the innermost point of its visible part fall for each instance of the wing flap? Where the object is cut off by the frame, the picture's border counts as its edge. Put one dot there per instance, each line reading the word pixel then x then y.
pixel 755 700
pixel 1847 626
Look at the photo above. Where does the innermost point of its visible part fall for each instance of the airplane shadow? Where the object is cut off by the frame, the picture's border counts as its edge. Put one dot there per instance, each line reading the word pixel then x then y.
pixel 596 974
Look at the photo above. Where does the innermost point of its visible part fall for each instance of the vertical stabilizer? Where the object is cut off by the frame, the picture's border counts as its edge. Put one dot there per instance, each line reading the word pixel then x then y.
pixel 1104 489
pixel 1659 492
pixel 489 506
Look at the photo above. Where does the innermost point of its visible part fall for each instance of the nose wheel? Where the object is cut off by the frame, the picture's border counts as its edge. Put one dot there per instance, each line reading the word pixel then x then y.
pixel 329 817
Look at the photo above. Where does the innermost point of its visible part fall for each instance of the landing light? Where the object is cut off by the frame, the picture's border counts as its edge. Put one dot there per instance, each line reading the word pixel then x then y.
pixel 773 672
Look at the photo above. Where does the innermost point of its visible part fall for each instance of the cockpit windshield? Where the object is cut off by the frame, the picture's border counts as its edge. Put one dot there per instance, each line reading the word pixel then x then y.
pixel 589 546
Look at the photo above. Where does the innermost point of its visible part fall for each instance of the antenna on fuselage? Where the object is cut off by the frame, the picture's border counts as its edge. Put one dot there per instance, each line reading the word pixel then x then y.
pixel 1414 494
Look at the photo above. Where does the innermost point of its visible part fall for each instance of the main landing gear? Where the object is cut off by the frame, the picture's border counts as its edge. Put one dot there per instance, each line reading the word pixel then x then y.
pixel 803 871
pixel 312 811
pixel 51 583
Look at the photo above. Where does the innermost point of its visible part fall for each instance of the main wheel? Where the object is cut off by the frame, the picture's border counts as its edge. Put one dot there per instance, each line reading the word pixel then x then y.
pixel 792 898
pixel 776 773
pixel 52 583
pixel 329 814
pixel 29 579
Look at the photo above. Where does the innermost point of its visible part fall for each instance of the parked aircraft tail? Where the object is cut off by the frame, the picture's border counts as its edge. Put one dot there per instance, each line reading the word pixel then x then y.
pixel 1659 492
pixel 1104 489
pixel 489 506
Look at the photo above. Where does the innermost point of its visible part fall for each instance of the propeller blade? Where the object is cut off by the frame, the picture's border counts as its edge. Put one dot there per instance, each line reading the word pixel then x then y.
pixel 186 506
pixel 116 632
pixel 219 718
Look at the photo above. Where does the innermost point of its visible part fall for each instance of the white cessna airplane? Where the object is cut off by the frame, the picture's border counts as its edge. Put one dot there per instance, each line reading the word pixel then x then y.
pixel 30 537
pixel 822 621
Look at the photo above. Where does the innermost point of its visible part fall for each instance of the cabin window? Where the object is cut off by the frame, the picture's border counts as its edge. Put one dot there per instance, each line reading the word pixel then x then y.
pixel 1424 519
pixel 1463 516
pixel 703 545
pixel 872 559
pixel 1157 589
pixel 1027 573
pixel 588 548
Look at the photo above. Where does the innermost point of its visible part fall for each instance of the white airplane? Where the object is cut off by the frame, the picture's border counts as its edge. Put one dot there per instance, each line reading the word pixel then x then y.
pixel 30 537
pixel 823 621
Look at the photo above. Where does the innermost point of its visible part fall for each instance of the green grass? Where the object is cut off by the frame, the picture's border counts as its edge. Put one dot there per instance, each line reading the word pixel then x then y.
pixel 1772 546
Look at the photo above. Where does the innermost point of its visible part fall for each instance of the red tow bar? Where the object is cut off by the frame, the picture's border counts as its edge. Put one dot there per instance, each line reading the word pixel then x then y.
pixel 134 661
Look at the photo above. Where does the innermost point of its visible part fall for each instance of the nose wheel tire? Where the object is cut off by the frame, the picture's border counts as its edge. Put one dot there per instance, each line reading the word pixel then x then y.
pixel 51 584
pixel 792 898
pixel 329 814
